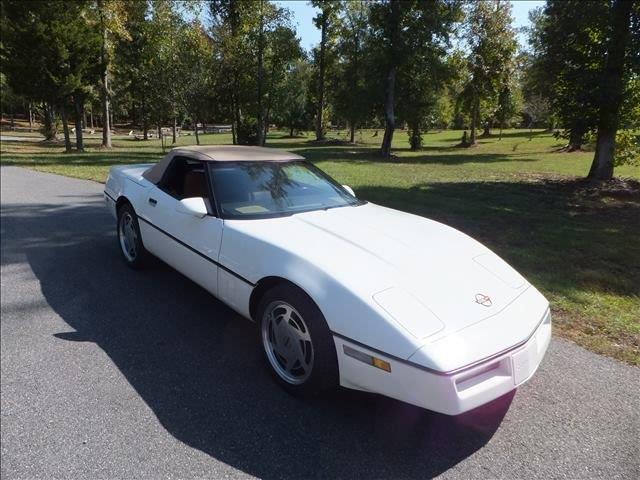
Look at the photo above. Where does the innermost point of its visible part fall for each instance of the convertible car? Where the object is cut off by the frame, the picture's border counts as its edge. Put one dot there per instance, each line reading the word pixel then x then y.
pixel 344 292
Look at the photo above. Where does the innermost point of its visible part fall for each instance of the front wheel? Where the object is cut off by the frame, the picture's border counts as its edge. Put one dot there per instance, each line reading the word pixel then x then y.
pixel 129 238
pixel 297 342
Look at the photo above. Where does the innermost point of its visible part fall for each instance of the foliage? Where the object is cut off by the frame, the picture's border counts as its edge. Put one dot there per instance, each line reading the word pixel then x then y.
pixel 492 45
pixel 351 86
pixel 48 49
pixel 292 109
pixel 571 68
pixel 412 39
pixel 255 43
pixel 627 148
pixel 378 63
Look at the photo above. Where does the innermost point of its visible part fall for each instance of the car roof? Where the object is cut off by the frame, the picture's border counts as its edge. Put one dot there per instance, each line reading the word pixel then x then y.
pixel 238 153
pixel 219 153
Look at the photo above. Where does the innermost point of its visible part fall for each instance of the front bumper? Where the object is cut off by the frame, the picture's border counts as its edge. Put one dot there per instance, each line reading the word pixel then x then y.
pixel 449 393
pixel 110 204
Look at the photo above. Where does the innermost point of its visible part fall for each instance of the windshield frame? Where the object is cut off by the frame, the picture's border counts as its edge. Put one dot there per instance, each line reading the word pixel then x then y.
pixel 260 216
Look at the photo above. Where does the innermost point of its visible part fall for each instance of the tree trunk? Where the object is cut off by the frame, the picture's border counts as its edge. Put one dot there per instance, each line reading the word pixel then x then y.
pixel 104 74
pixel 65 128
pixel 612 94
pixel 78 103
pixel 145 121
pixel 474 121
pixel 323 44
pixel 195 129
pixel 234 21
pixel 389 114
pixel 415 138
pixel 49 125
pixel 30 118
pixel 291 131
pixel 266 125
pixel 91 118
pixel 352 131
pixel 576 139
pixel 174 128
pixel 260 78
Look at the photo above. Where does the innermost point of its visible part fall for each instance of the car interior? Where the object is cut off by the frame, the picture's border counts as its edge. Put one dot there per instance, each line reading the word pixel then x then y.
pixel 186 178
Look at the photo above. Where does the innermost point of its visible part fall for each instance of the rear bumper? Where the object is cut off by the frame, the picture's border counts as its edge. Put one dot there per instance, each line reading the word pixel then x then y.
pixel 448 393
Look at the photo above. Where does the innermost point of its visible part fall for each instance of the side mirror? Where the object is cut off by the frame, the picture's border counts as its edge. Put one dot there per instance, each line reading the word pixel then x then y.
pixel 192 206
pixel 349 189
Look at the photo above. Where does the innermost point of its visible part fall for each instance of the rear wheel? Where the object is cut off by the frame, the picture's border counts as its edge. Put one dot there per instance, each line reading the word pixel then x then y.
pixel 297 343
pixel 129 238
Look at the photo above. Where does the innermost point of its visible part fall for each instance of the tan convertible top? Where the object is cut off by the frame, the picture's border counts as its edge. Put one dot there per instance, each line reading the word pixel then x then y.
pixel 219 153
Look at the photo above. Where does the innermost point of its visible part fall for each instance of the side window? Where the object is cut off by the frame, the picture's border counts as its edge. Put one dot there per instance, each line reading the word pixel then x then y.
pixel 185 178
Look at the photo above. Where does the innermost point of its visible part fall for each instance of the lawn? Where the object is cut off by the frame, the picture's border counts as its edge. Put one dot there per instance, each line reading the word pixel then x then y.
pixel 578 243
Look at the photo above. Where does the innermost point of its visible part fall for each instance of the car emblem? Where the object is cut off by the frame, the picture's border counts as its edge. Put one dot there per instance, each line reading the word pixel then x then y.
pixel 484 300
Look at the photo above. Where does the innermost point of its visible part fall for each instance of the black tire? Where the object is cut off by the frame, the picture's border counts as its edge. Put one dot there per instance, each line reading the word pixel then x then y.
pixel 138 256
pixel 323 375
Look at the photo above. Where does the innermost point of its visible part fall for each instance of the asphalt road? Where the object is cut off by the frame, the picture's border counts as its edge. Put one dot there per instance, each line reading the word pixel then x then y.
pixel 110 373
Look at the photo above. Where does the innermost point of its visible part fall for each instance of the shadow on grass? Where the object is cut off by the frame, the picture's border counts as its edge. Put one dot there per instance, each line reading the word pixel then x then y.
pixel 560 234
pixel 199 367
pixel 142 152
pixel 429 155
pixel 112 157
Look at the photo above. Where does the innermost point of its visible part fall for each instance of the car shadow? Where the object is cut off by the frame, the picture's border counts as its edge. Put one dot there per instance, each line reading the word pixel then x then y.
pixel 198 365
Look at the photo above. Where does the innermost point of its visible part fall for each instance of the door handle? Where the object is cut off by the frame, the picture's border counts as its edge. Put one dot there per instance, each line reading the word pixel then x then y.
pixel 153 201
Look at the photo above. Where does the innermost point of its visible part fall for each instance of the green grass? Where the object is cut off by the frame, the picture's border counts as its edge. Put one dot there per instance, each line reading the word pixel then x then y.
pixel 578 243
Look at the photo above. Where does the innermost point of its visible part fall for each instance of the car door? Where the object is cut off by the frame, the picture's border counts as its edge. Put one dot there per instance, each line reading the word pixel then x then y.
pixel 188 243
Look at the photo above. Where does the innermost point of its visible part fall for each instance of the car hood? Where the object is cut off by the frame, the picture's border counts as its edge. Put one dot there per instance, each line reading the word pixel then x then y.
pixel 431 270
pixel 430 278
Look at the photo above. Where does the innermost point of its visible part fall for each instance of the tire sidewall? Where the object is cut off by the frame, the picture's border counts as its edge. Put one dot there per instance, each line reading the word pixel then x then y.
pixel 324 376
pixel 140 259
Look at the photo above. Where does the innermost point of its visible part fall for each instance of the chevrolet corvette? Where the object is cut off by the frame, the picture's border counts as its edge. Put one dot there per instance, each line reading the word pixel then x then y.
pixel 343 291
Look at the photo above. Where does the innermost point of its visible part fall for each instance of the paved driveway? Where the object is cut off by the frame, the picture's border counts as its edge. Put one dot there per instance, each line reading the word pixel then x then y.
pixel 110 373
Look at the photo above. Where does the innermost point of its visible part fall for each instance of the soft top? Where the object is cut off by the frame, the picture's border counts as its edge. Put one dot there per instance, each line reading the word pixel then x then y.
pixel 219 153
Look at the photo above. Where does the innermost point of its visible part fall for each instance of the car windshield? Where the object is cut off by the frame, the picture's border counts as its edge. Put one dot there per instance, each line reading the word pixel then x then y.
pixel 270 189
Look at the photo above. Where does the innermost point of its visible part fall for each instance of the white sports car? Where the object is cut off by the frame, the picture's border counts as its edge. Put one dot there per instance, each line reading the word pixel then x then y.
pixel 345 292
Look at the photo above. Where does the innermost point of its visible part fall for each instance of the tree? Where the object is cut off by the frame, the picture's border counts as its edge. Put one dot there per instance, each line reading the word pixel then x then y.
pixel 281 56
pixel 198 70
pixel 110 18
pixel 49 53
pixel 492 44
pixel 325 21
pixel 352 92
pixel 409 35
pixel 612 88
pixel 291 98
pixel 535 82
pixel 507 106
pixel 567 46
pixel 255 43
pixel 132 61
pixel 536 109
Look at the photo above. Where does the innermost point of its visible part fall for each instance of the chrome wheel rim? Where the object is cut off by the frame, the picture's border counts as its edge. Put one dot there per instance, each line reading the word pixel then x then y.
pixel 128 236
pixel 287 342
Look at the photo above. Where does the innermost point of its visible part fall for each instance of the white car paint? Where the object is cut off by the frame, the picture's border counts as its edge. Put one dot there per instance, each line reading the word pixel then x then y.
pixel 458 325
